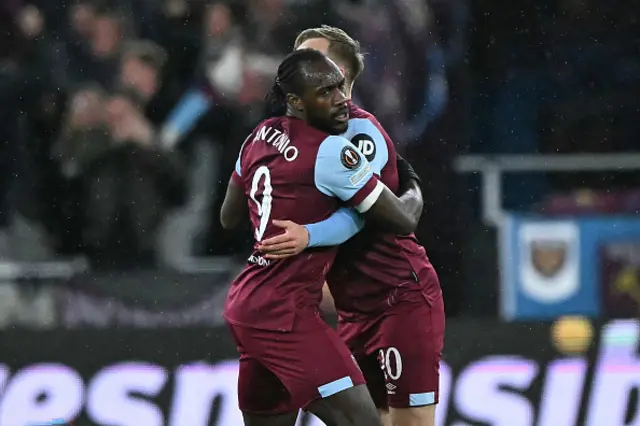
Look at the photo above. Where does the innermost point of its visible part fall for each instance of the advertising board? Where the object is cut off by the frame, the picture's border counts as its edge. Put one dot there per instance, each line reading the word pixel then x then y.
pixel 552 267
pixel 564 374
pixel 620 268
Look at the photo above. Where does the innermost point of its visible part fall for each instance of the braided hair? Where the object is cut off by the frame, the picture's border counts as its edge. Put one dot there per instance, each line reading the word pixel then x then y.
pixel 290 77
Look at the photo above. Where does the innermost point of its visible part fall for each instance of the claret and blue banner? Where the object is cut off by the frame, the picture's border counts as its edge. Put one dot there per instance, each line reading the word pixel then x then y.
pixel 585 266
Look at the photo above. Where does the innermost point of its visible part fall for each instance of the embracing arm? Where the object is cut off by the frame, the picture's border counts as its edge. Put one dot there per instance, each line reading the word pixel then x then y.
pixel 345 223
pixel 336 229
pixel 234 207
pixel 351 180
pixel 409 188
pixel 343 172
pixel 388 213
pixel 399 215
pixel 412 203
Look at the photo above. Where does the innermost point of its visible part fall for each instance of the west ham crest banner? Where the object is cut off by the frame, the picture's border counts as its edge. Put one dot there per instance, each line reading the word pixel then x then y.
pixel 552 267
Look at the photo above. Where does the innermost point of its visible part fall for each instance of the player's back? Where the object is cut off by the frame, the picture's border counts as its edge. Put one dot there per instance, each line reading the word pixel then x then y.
pixel 276 168
pixel 375 269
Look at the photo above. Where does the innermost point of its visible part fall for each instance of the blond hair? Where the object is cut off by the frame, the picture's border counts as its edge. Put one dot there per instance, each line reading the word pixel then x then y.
pixel 341 46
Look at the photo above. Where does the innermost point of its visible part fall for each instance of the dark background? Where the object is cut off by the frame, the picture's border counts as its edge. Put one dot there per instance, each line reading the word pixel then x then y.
pixel 446 78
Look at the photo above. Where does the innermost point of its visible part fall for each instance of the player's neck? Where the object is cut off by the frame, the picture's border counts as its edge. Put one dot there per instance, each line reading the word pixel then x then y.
pixel 293 113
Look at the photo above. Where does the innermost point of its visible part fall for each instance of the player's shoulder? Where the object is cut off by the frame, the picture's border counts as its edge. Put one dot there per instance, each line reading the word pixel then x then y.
pixel 296 130
pixel 335 150
pixel 262 130
pixel 268 122
pixel 356 111
pixel 369 136
pixel 303 133
pixel 363 118
pixel 333 143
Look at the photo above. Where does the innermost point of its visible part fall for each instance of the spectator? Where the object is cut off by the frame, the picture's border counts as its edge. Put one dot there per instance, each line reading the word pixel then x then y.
pixel 126 120
pixel 84 134
pixel 213 59
pixel 218 84
pixel 142 63
pixel 222 51
pixel 141 69
pixel 128 189
pixel 100 33
pixel 108 34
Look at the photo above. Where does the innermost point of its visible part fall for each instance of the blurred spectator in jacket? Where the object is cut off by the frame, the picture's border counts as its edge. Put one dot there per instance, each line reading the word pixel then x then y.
pixel 128 189
pixel 84 135
pixel 144 69
pixel 141 65
pixel 98 36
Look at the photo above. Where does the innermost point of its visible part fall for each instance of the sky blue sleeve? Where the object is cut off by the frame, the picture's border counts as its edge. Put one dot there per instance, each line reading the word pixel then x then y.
pixel 238 167
pixel 366 135
pixel 342 171
pixel 336 229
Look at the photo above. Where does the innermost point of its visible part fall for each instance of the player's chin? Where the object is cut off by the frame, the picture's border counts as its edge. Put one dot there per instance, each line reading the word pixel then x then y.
pixel 338 127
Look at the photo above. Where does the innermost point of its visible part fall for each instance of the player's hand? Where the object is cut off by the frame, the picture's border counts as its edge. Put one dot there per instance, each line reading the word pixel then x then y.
pixel 292 241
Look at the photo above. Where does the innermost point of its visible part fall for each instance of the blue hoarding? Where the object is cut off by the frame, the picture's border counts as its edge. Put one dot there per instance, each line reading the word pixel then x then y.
pixel 552 266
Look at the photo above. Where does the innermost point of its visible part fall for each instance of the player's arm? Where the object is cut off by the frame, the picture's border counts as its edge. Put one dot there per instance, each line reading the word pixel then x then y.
pixel 333 231
pixel 409 188
pixel 234 207
pixel 343 224
pixel 336 229
pixel 346 222
pixel 343 172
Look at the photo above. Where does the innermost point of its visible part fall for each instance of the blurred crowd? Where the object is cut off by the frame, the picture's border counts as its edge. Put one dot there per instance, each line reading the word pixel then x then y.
pixel 559 77
pixel 121 119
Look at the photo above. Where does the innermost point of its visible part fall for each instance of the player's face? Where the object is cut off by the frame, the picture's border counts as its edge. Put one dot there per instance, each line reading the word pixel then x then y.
pixel 325 101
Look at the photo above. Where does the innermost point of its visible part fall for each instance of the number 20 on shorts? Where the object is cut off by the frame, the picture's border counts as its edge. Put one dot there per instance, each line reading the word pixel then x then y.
pixel 390 363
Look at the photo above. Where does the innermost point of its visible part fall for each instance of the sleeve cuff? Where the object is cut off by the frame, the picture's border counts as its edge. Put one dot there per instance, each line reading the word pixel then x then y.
pixel 371 199
pixel 367 195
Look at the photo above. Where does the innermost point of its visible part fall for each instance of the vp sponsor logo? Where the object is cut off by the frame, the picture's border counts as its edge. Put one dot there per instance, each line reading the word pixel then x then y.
pixel 366 145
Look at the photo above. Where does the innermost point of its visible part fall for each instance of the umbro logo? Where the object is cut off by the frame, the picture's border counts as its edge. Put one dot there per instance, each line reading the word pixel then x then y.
pixel 391 388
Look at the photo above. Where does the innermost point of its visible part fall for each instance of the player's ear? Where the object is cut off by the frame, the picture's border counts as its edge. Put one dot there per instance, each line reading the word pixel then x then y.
pixel 295 102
